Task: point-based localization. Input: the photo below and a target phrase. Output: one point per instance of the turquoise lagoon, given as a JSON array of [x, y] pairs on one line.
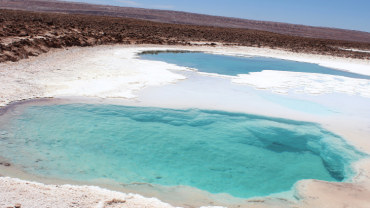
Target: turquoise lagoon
[[240, 154], [233, 65]]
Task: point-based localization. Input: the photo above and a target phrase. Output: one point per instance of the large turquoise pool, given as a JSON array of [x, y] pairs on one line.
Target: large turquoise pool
[[220, 152]]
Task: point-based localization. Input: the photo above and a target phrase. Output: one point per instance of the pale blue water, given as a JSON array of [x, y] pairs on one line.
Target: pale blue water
[[220, 152], [232, 65], [306, 106]]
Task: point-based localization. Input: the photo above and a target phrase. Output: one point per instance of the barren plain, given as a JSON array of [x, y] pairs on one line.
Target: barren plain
[[24, 34], [167, 16]]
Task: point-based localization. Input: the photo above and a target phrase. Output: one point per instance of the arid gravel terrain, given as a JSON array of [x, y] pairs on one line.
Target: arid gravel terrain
[[24, 34], [167, 16]]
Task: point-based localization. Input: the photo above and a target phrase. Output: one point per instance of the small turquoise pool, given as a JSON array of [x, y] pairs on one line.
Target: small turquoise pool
[[221, 152], [232, 65]]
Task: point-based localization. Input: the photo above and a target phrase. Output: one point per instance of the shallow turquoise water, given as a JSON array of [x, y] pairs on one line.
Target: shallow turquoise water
[[231, 65], [220, 152]]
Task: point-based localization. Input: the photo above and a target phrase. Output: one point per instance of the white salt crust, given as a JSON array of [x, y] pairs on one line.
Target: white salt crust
[[32, 194], [100, 73], [115, 72], [310, 83]]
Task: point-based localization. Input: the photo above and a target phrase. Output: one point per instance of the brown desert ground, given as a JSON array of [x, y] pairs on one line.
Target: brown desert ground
[[24, 34], [166, 16]]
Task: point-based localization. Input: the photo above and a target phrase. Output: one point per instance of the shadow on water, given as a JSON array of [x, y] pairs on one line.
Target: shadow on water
[[279, 148], [336, 174]]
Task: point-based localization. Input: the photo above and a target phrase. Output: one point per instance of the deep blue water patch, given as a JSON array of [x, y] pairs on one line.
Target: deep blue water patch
[[220, 152], [232, 65]]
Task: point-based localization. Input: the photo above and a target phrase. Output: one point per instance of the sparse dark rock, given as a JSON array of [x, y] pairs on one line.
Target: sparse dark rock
[[6, 164]]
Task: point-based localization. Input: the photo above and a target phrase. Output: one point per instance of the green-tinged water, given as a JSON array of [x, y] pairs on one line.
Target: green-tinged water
[[232, 65], [220, 152]]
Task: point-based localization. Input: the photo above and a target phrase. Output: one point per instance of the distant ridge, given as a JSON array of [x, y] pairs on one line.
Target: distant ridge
[[166, 16]]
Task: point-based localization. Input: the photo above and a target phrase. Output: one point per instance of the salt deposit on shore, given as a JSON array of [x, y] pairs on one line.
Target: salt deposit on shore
[[39, 195], [312, 83], [101, 72], [112, 72]]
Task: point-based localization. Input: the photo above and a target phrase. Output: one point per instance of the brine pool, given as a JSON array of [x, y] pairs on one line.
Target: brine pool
[[216, 151], [240, 154], [233, 65]]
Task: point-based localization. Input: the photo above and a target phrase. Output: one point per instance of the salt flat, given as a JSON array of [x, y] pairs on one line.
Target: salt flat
[[113, 72]]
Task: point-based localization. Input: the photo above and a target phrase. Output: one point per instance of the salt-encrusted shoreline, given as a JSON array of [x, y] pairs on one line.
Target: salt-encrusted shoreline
[[40, 195], [112, 72]]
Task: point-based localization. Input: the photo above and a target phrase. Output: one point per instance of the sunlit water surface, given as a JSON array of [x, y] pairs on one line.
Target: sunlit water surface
[[220, 152]]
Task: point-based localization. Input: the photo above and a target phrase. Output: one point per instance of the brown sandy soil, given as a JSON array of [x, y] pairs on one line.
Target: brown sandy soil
[[24, 34], [167, 16]]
